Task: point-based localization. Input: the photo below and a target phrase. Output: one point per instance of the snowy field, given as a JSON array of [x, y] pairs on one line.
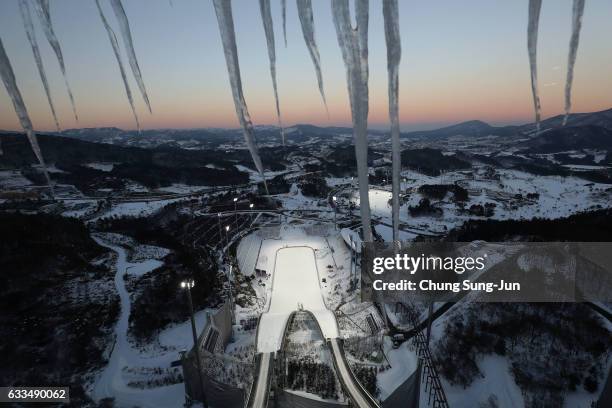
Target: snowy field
[[558, 197], [295, 286]]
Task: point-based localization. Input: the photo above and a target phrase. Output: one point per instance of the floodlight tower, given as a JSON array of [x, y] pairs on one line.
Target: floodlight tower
[[335, 199], [187, 285], [235, 211]]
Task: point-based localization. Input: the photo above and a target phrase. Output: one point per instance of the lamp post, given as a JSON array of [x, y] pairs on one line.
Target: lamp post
[[227, 235], [220, 230], [187, 285], [235, 211], [231, 296], [251, 208], [335, 199]]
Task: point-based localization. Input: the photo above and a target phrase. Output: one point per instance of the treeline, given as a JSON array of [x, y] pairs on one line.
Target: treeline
[[527, 334], [57, 308], [431, 161], [594, 226], [315, 378]]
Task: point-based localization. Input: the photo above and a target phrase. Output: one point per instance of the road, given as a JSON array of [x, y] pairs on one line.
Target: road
[[358, 395]]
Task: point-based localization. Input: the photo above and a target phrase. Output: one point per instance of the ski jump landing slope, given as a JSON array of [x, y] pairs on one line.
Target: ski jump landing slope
[[295, 286]]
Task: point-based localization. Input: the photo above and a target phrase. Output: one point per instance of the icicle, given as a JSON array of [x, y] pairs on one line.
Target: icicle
[[394, 54], [8, 78], [31, 34], [44, 15], [128, 43], [113, 40], [266, 16], [353, 43], [284, 12], [225, 20], [577, 12], [532, 44], [307, 22]]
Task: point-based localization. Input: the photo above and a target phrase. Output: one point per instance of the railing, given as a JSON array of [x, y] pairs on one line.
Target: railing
[[436, 396]]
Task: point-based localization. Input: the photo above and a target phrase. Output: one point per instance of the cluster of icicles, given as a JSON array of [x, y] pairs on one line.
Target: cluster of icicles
[[353, 43]]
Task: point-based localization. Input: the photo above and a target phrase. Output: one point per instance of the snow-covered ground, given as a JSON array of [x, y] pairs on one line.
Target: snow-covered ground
[[403, 362], [178, 188], [558, 197], [129, 364], [497, 382], [107, 167], [10, 179]]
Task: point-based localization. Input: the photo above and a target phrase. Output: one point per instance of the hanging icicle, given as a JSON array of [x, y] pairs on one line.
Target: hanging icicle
[[284, 13], [266, 16], [532, 45], [8, 78], [26, 16], [354, 45], [394, 55], [577, 12], [307, 22], [128, 43], [225, 20], [44, 15], [113, 40]]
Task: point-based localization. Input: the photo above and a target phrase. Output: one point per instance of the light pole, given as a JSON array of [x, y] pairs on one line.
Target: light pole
[[220, 230], [235, 213], [227, 235], [187, 285], [335, 199], [251, 208], [231, 296]]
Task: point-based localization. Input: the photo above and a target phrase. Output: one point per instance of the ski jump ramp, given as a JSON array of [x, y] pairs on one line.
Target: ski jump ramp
[[295, 286]]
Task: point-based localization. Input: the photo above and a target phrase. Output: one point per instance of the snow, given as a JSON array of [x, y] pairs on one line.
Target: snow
[[403, 363], [13, 179], [142, 268], [179, 188], [497, 380], [558, 197], [107, 167], [295, 286]]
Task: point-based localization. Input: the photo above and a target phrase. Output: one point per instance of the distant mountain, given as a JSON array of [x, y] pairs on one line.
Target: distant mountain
[[472, 128], [570, 138], [602, 119], [477, 128]]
